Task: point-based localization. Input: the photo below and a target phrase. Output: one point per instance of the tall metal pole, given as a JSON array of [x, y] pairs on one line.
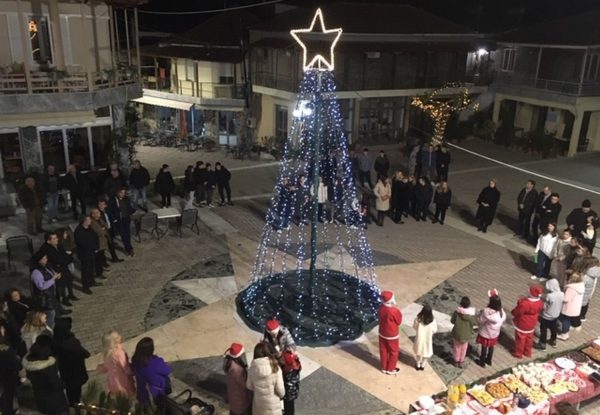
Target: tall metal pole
[[316, 180]]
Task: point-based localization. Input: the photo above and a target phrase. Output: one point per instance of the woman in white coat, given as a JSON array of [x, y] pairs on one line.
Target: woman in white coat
[[383, 193], [265, 379], [426, 327]]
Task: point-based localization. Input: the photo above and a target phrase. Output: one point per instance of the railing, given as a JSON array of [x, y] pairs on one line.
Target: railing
[[210, 90], [49, 82], [585, 88], [270, 80]]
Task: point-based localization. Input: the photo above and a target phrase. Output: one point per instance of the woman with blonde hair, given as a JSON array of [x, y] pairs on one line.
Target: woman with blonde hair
[[119, 376], [36, 323]]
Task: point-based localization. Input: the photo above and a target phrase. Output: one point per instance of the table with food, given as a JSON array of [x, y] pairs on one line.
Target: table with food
[[528, 389]]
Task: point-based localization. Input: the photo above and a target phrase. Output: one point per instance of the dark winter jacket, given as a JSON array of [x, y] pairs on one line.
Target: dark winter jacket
[[19, 310], [164, 182], [223, 176], [57, 257], [429, 159], [10, 365], [47, 386], [139, 178], [443, 198], [423, 194], [211, 179], [13, 332], [382, 165], [87, 242], [112, 184], [70, 354], [578, 219], [28, 198], [527, 200], [443, 160], [188, 182], [114, 209], [200, 175], [401, 192], [490, 196], [51, 183], [549, 214], [78, 185]]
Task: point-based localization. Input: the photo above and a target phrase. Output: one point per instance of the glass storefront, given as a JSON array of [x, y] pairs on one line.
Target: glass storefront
[[53, 149], [79, 147], [101, 145], [10, 150]]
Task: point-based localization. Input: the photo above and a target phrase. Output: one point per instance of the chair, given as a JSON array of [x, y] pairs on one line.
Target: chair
[[189, 218], [20, 244], [148, 223]]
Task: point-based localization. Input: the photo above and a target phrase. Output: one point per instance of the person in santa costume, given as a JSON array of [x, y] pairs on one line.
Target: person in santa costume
[[390, 319], [525, 318], [236, 372], [278, 339]]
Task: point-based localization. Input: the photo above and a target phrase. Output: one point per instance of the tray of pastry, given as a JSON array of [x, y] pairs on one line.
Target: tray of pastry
[[498, 390], [481, 395], [514, 384], [592, 352], [536, 396]]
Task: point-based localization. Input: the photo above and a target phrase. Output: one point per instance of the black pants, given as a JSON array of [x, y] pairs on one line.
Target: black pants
[[397, 213], [486, 355], [99, 262], [523, 224], [87, 271], [209, 194], [584, 310], [6, 399], [440, 212], [546, 325], [199, 195], [365, 176], [442, 174], [73, 393], [535, 227], [64, 286], [225, 188], [380, 217], [165, 199], [421, 211], [75, 199], [288, 407], [111, 246], [123, 227]]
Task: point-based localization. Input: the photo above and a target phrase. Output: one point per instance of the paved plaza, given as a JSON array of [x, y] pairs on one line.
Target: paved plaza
[[180, 290]]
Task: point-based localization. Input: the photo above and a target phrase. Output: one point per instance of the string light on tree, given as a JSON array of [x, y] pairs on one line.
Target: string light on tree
[[314, 272], [440, 104]]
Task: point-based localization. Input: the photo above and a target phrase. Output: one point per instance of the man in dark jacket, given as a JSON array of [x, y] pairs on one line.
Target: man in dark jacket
[[87, 245], [164, 185], [423, 197], [103, 208], [78, 186], [210, 184], [51, 186], [443, 163], [542, 198], [550, 212], [223, 177], [382, 164], [577, 220], [139, 178], [59, 260], [525, 206], [365, 164], [113, 183], [10, 366], [32, 199], [120, 211], [200, 176]]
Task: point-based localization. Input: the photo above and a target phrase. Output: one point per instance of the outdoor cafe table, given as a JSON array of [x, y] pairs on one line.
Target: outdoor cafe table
[[165, 215]]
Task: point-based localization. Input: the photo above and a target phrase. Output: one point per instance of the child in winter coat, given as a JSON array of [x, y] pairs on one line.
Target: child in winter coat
[[553, 301], [426, 327], [590, 279], [572, 304], [490, 321], [464, 321], [291, 379], [236, 375], [525, 318], [545, 250]]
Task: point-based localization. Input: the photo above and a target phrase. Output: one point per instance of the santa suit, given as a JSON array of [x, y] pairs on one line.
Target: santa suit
[[525, 318], [390, 319]]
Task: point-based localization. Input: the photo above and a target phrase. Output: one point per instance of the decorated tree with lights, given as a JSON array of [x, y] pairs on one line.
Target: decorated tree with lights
[[314, 266], [440, 104]]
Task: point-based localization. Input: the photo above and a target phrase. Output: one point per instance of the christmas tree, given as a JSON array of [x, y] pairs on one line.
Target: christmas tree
[[314, 266]]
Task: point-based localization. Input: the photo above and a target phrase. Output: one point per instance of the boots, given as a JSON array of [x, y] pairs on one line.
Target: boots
[[482, 357], [490, 353]]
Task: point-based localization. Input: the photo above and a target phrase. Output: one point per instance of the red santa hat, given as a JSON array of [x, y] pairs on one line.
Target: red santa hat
[[388, 297], [536, 291], [272, 326], [235, 350], [493, 293]]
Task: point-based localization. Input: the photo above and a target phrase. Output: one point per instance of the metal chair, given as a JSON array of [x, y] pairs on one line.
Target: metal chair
[[19, 246], [189, 218], [147, 223]]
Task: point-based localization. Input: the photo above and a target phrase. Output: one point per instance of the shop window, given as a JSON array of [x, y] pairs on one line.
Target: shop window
[[12, 163], [281, 121], [508, 59], [79, 147], [101, 145], [39, 37], [53, 149]]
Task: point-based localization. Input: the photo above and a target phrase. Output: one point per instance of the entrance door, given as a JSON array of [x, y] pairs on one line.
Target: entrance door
[[10, 151]]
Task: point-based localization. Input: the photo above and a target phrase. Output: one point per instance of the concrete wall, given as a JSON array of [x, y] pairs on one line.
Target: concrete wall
[[204, 72]]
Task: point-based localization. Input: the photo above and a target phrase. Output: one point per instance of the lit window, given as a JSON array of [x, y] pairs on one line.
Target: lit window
[[39, 36]]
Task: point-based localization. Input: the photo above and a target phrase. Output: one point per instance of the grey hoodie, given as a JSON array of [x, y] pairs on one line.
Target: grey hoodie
[[553, 300], [590, 278]]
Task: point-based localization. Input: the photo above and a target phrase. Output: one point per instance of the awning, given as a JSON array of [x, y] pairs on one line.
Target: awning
[[46, 119], [162, 102]]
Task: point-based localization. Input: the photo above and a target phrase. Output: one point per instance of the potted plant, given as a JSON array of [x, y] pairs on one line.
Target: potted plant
[[57, 74], [17, 67], [107, 74]]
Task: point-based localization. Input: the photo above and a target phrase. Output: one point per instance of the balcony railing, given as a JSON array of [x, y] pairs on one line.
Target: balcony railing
[[586, 88], [49, 82], [210, 90]]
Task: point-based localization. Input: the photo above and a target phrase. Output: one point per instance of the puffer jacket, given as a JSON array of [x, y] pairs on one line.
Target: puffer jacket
[[547, 244], [490, 323], [590, 279], [573, 299], [526, 313], [268, 387], [47, 386], [464, 321], [553, 300]]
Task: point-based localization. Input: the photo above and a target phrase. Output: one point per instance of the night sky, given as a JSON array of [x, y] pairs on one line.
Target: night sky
[[486, 16]]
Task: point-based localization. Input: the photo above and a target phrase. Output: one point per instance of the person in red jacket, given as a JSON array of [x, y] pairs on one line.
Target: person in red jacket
[[390, 319], [525, 318]]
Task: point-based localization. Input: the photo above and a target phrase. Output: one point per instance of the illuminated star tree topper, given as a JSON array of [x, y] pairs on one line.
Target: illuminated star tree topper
[[317, 60]]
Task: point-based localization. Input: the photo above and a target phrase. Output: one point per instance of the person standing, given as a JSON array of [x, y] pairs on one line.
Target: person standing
[[464, 321], [71, 357], [200, 176], [110, 231], [588, 237], [36, 324], [572, 304], [120, 211], [545, 250], [87, 245], [382, 164], [32, 200], [426, 327], [18, 305], [211, 182], [490, 321], [164, 185], [564, 251], [429, 162], [303, 196], [365, 165], [414, 160], [590, 280], [236, 375], [443, 163], [553, 301], [10, 366], [51, 186], [78, 186], [189, 187], [115, 181], [266, 381], [43, 287], [525, 318], [284, 206], [525, 206], [488, 203], [550, 211], [291, 381], [42, 372], [442, 199], [115, 365], [354, 164], [277, 338], [383, 193], [60, 260], [423, 193], [542, 198], [139, 179], [99, 227], [390, 319], [151, 373], [396, 200], [223, 179], [322, 193], [578, 219]]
